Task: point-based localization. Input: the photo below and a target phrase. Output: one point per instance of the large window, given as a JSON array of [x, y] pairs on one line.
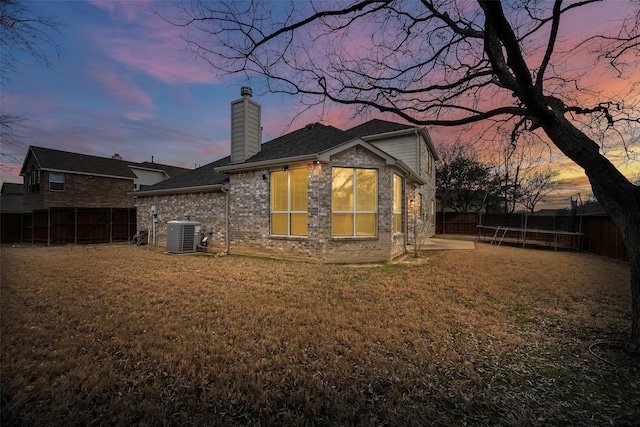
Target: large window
[[397, 203], [56, 181], [289, 202], [354, 202]]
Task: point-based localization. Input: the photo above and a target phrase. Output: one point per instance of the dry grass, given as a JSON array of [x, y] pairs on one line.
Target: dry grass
[[122, 335]]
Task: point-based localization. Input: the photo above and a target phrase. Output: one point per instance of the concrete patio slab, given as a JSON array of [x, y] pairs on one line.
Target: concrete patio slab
[[434, 244]]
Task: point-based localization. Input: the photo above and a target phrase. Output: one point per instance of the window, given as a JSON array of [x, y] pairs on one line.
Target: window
[[56, 181], [33, 180], [354, 202], [433, 211], [397, 203], [289, 202], [429, 163]]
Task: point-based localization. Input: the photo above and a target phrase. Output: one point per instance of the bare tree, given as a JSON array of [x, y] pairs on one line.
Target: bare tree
[[522, 168], [536, 186], [21, 31], [445, 63]]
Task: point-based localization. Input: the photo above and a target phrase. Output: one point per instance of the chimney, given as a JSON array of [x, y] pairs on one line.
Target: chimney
[[246, 134]]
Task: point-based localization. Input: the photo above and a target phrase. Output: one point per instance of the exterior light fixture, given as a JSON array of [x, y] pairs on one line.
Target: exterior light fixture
[[284, 168]]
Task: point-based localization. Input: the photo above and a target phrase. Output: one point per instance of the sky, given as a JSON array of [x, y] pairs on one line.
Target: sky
[[124, 83]]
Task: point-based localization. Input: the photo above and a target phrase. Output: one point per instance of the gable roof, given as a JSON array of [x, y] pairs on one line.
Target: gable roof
[[300, 145], [377, 126], [64, 161]]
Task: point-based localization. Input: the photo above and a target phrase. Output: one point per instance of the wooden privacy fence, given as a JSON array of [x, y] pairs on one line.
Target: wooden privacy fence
[[600, 235], [79, 225]]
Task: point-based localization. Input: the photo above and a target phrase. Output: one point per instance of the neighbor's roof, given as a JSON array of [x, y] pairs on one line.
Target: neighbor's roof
[[65, 161], [204, 176], [11, 188], [171, 171]]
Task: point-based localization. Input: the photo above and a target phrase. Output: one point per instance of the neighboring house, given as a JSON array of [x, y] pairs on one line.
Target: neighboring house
[[55, 178], [11, 197], [316, 193]]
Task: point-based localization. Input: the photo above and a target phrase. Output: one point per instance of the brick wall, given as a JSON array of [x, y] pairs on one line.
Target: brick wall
[[249, 214], [208, 208], [425, 223], [84, 191]]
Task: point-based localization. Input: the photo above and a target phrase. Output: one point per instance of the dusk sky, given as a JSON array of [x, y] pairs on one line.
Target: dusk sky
[[125, 83]]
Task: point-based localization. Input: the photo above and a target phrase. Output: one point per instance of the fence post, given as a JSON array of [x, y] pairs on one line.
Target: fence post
[[48, 226], [110, 225]]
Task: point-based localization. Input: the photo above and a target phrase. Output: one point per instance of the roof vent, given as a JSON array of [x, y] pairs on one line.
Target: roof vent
[[310, 126], [116, 156], [246, 91]]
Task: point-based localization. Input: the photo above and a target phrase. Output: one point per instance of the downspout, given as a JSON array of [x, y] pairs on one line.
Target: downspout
[[227, 225], [405, 208]]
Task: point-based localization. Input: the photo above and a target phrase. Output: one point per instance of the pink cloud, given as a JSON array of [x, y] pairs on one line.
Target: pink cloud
[[123, 89], [119, 10], [151, 45]]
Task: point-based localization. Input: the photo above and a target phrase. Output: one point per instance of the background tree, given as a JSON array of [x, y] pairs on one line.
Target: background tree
[[462, 181], [522, 169], [447, 63], [20, 32], [536, 185]]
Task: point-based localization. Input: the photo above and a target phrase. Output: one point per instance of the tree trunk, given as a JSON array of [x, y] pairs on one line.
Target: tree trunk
[[617, 195]]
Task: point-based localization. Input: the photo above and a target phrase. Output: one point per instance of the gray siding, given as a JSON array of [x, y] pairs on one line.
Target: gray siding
[[404, 148]]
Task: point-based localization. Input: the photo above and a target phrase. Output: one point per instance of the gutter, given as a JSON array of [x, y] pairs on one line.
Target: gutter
[[182, 190], [266, 163], [227, 243], [90, 173]]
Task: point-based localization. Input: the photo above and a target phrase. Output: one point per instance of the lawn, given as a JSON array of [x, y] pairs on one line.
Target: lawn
[[123, 335]]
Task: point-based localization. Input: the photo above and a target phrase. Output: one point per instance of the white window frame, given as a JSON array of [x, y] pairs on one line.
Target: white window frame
[[60, 180]]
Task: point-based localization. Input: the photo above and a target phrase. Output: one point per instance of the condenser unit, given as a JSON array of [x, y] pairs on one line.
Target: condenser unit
[[182, 236]]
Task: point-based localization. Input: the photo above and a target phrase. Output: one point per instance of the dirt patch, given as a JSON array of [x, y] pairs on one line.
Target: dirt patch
[[117, 334]]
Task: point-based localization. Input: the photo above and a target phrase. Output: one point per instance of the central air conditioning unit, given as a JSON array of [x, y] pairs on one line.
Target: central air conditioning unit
[[182, 236]]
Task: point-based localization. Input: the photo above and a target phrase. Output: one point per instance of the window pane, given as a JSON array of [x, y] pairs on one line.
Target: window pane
[[342, 189], [365, 224], [298, 181], [397, 223], [298, 224], [279, 187], [397, 194], [56, 181], [279, 224], [342, 224], [366, 189]]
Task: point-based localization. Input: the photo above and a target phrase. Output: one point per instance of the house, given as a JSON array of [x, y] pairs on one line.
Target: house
[[55, 178], [11, 197], [317, 193]]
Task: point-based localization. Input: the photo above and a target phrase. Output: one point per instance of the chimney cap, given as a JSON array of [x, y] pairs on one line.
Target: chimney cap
[[246, 91]]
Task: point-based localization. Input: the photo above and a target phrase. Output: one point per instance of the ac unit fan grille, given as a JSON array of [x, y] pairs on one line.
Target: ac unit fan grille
[[187, 238]]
